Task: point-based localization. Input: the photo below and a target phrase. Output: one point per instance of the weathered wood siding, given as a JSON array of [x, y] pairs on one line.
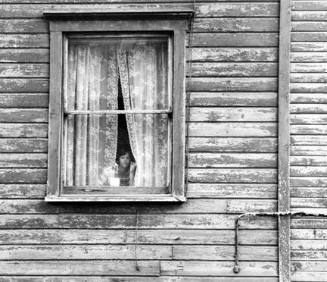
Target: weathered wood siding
[[309, 138], [231, 164]]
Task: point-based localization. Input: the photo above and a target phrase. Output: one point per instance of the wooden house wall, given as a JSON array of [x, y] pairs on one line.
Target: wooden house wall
[[308, 138], [231, 161]]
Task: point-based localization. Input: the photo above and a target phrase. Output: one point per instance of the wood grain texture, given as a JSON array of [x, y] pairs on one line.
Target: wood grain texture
[[23, 130], [232, 175], [24, 40], [225, 253], [234, 54], [121, 1], [23, 85], [193, 206], [233, 99], [284, 141], [223, 114], [201, 10], [24, 70], [231, 84], [232, 124], [308, 161], [232, 69], [23, 145], [20, 175], [238, 191], [24, 100], [90, 252], [12, 55], [200, 25], [91, 267], [129, 237], [115, 278], [146, 221], [236, 129], [213, 160], [235, 25], [23, 191], [24, 115], [213, 268], [233, 144], [23, 160], [226, 40]]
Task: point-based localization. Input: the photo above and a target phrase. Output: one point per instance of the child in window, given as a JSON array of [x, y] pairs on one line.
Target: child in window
[[126, 168]]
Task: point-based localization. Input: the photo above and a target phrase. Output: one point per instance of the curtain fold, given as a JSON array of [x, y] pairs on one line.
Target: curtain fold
[[143, 73]]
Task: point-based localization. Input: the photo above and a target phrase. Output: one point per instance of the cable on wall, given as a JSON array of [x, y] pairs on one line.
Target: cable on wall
[[237, 267]]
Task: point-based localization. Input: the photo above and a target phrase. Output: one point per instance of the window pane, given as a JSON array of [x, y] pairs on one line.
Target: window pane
[[117, 150]]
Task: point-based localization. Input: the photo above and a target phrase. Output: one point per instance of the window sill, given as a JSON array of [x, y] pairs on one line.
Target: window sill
[[116, 198]]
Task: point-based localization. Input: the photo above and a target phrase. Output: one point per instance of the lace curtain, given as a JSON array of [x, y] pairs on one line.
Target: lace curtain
[[91, 140], [143, 73], [92, 84]]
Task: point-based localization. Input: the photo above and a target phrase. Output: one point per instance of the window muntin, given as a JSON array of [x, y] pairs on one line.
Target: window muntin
[[109, 78]]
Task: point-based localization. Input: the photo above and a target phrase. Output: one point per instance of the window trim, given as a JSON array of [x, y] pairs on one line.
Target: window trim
[[150, 20]]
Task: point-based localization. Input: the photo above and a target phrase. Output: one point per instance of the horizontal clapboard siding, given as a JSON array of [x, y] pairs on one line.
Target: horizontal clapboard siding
[[231, 164], [308, 138]]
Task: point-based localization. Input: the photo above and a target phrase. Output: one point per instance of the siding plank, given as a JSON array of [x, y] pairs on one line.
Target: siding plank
[[202, 10], [233, 99], [24, 70], [24, 40], [213, 160], [23, 175], [224, 253], [160, 221], [217, 268], [239, 191], [234, 54], [237, 129], [231, 39], [258, 175], [231, 114], [235, 24], [24, 55], [86, 252], [232, 69], [111, 267], [25, 191], [231, 144], [23, 130], [24, 115], [231, 84], [23, 85], [24, 100], [23, 145], [23, 160], [128, 237], [193, 206]]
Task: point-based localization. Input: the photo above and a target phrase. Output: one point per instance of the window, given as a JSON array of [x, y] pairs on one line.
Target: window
[[117, 106]]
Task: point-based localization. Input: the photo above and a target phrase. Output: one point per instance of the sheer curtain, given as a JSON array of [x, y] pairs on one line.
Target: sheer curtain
[[92, 84], [144, 72], [91, 140]]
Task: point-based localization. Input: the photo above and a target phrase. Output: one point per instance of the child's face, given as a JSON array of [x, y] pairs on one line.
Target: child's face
[[125, 160]]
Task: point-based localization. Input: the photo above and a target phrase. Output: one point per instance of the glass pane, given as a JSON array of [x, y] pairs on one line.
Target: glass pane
[[117, 150]]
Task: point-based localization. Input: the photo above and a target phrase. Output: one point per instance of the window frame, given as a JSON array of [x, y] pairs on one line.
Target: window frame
[[62, 23]]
